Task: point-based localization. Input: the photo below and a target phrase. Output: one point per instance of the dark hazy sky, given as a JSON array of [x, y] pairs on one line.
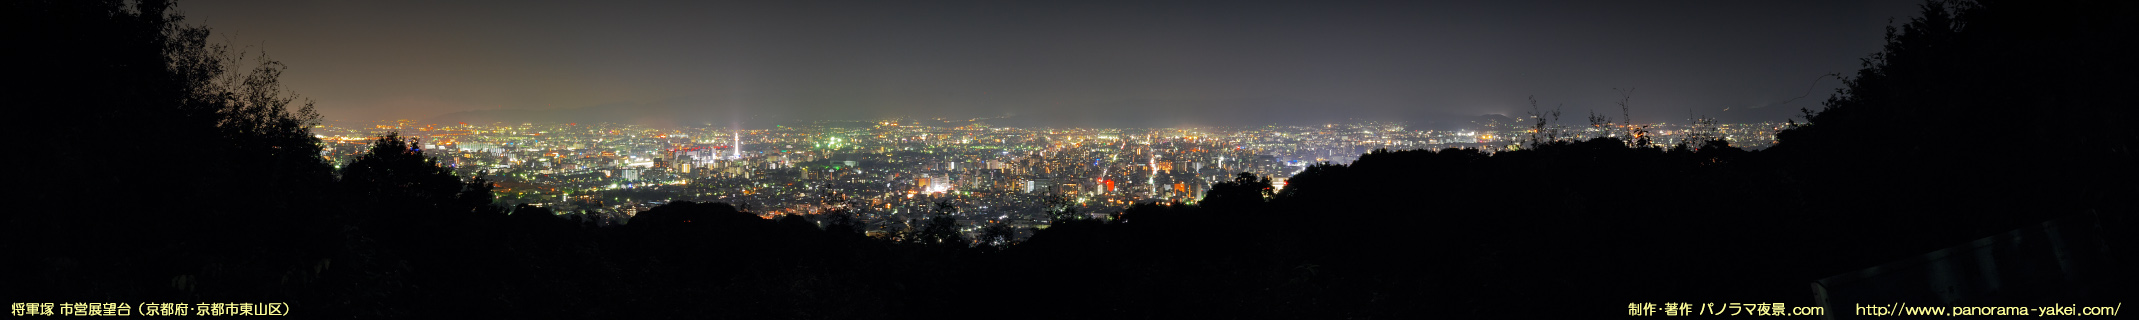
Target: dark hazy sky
[[370, 60]]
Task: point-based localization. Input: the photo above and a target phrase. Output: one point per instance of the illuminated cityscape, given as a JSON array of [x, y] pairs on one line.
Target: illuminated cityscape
[[896, 170], [1073, 159]]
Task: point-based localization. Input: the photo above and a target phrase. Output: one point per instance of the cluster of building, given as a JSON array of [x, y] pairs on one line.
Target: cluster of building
[[890, 173]]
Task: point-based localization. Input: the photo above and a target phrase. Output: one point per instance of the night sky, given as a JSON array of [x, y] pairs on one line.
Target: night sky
[[1064, 62]]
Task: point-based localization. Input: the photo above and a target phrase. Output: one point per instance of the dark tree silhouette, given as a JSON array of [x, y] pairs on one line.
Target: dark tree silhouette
[[941, 228], [998, 234], [1244, 191], [2010, 74], [233, 203], [401, 179]]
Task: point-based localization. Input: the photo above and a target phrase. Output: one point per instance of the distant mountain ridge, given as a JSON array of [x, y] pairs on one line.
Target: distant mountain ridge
[[669, 114], [1120, 114]]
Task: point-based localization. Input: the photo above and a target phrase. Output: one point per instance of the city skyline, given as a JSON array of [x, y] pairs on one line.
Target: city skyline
[[893, 170]]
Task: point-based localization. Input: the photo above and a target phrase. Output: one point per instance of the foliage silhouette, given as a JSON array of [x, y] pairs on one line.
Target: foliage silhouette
[[227, 207]]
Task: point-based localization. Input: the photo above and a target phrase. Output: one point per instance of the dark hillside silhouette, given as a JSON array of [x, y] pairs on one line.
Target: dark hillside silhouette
[[228, 207], [2036, 85]]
